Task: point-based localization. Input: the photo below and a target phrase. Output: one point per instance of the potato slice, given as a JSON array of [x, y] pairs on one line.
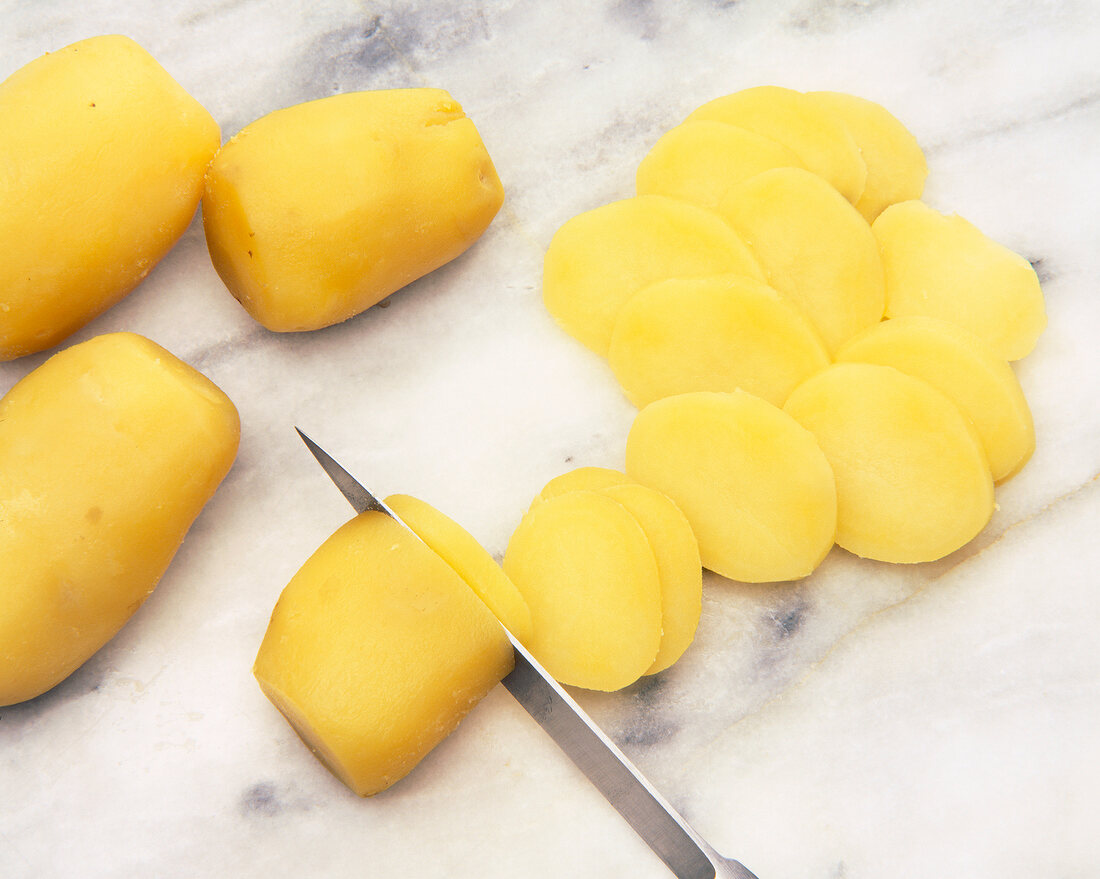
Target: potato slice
[[942, 266], [376, 650], [912, 481], [316, 212], [814, 247], [961, 367], [103, 161], [896, 168], [108, 452], [754, 485], [457, 547], [581, 479], [599, 259], [712, 334], [700, 161], [816, 135], [586, 569]]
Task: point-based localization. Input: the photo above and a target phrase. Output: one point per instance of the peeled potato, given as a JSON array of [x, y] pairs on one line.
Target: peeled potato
[[754, 485], [316, 212], [912, 481], [455, 545], [586, 570], [103, 156], [376, 650], [581, 479], [942, 266], [599, 259], [814, 247], [816, 135], [700, 161], [712, 334], [896, 168], [960, 366], [108, 452]]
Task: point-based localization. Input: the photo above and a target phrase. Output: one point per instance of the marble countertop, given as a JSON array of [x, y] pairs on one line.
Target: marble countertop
[[870, 721]]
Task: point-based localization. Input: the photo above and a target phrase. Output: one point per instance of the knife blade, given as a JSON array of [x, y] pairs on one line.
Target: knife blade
[[653, 818]]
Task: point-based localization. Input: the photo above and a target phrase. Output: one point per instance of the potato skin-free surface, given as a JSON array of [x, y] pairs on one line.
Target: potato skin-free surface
[[316, 212], [103, 156], [108, 452], [375, 651]]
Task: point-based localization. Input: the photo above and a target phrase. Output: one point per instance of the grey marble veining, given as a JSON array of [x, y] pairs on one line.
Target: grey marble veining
[[872, 720]]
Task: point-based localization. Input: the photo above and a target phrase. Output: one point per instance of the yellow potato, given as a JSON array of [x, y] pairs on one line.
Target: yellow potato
[[581, 479], [754, 485], [814, 247], [896, 168], [912, 481], [599, 259], [961, 367], [700, 161], [376, 650], [942, 266], [457, 547], [108, 452], [712, 334], [316, 212], [816, 135], [102, 156], [586, 569]]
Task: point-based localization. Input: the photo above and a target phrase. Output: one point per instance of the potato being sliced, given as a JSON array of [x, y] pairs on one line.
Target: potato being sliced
[[960, 366], [581, 479], [712, 334], [896, 168], [700, 161], [458, 548], [814, 247], [376, 650], [586, 569], [912, 481], [942, 266], [754, 485], [599, 259], [815, 134]]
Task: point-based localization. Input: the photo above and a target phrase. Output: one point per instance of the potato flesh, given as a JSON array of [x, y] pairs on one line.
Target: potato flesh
[[581, 479], [961, 367], [458, 548], [316, 212], [712, 334], [376, 650], [108, 452], [599, 259], [942, 266], [912, 481], [586, 570], [754, 485], [104, 155]]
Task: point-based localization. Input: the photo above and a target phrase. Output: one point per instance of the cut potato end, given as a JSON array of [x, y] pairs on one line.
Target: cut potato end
[[753, 483], [712, 334], [599, 259], [942, 266], [912, 481], [962, 367], [581, 479], [586, 569]]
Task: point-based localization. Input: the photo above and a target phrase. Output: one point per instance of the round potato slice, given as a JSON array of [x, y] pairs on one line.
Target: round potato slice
[[585, 567], [818, 136], [581, 479], [960, 366], [752, 482], [712, 334], [458, 548], [599, 259], [912, 480], [700, 161], [896, 168], [942, 266], [815, 248]]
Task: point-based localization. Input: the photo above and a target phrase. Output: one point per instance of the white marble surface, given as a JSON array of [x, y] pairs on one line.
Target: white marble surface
[[937, 720]]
